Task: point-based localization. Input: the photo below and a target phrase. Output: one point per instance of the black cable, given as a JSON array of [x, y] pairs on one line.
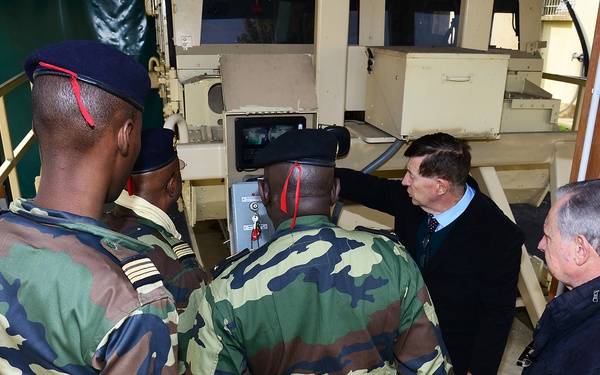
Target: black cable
[[586, 55], [382, 159]]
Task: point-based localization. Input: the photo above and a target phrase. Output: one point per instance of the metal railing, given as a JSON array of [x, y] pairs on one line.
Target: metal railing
[[12, 156]]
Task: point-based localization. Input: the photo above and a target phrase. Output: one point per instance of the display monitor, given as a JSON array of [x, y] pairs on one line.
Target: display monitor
[[252, 134]]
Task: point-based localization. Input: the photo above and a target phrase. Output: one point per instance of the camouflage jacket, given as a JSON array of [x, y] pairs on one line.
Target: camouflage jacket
[[319, 299], [174, 259], [74, 299]]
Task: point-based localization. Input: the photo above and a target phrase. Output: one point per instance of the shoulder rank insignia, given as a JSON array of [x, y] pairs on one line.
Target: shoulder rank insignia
[[183, 250], [382, 232], [222, 265], [138, 268]]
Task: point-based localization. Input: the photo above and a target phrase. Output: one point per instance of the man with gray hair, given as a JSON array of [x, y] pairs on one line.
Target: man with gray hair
[[567, 335]]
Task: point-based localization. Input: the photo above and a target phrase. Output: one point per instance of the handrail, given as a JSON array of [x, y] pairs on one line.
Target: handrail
[[9, 164], [12, 157], [12, 83], [575, 80]]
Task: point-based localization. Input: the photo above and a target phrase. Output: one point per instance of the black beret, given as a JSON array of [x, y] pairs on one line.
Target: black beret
[[158, 149], [305, 146], [95, 63]]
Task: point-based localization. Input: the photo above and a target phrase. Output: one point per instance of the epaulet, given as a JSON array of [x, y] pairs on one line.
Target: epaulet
[[138, 268], [183, 251], [222, 265], [382, 232]]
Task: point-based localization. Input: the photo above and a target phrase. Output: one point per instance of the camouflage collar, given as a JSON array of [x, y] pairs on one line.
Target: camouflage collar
[[311, 221], [26, 209]]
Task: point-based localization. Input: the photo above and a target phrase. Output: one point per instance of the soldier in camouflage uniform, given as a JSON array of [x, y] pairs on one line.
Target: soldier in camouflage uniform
[[141, 213], [76, 297], [316, 298]]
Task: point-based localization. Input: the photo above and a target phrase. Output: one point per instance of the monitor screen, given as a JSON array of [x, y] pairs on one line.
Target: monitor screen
[[252, 134]]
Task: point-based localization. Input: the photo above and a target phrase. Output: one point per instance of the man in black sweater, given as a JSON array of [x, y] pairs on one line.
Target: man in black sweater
[[469, 252]]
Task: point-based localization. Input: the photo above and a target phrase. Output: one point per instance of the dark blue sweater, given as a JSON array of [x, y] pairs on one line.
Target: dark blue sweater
[[567, 336]]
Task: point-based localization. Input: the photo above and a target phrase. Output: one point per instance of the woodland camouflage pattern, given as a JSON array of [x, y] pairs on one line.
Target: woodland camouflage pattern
[[67, 306], [181, 273], [319, 299]]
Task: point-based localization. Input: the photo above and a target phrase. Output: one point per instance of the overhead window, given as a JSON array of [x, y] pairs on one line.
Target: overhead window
[[556, 10], [258, 22]]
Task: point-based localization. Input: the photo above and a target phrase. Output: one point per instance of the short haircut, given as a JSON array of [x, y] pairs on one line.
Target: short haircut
[[580, 212], [315, 181], [445, 157], [57, 118]]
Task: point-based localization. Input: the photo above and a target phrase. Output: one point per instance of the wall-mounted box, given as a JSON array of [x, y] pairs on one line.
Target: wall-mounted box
[[412, 91]]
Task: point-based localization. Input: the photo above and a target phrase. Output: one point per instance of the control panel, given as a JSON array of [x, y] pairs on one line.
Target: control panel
[[250, 224]]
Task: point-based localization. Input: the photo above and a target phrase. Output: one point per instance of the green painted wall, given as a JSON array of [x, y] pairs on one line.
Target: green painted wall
[[27, 25]]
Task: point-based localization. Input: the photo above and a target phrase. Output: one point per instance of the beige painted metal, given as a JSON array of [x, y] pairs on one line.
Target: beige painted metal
[[529, 286], [353, 215], [474, 27], [172, 94], [330, 59], [408, 82], [204, 200], [203, 108], [193, 239], [502, 35], [356, 80], [530, 25], [372, 23], [525, 183], [189, 202], [518, 149], [186, 28], [511, 150], [157, 10], [370, 33], [278, 83], [530, 114], [203, 160], [210, 199], [201, 61], [580, 82], [560, 169]]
